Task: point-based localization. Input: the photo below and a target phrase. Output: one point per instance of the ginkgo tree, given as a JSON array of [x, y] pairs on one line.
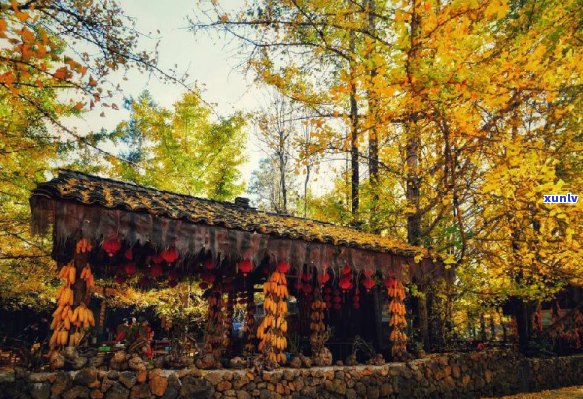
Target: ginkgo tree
[[430, 95]]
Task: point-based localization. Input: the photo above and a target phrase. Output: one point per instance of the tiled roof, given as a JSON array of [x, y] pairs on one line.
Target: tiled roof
[[113, 194]]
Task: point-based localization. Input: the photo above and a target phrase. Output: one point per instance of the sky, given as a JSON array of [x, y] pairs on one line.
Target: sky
[[212, 63]]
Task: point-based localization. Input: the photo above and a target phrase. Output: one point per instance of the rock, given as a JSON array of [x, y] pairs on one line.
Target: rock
[[117, 391], [158, 385], [208, 361], [140, 391], [136, 363], [57, 361], [351, 360], [171, 393], [96, 394], [86, 376], [40, 377], [142, 376], [372, 392], [61, 384], [295, 362], [113, 374], [106, 383], [77, 392], [386, 389], [214, 377], [339, 386], [128, 379], [40, 390], [243, 395], [79, 363], [223, 386], [118, 360], [237, 363], [196, 388], [324, 358], [306, 361]]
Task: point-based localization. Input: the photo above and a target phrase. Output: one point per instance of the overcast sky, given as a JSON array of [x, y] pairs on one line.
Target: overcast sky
[[210, 61]]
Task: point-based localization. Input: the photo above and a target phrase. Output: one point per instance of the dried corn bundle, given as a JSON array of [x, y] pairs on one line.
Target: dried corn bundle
[[68, 325], [318, 336], [273, 327], [215, 339], [397, 323], [250, 325]]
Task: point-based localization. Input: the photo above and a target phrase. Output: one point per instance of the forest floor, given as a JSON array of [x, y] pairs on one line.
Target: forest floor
[[563, 393]]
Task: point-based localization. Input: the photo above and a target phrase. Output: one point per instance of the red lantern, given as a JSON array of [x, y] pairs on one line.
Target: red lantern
[[368, 283], [337, 306], [323, 277], [169, 255], [298, 285], [111, 246], [307, 288], [209, 264], [345, 283], [130, 269], [245, 266], [328, 297], [356, 305], [390, 282], [368, 272], [328, 290], [355, 298], [156, 270], [156, 259], [337, 299], [346, 270], [307, 276], [128, 254], [282, 267]]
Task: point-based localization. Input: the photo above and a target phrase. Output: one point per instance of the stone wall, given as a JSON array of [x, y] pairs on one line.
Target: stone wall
[[456, 375]]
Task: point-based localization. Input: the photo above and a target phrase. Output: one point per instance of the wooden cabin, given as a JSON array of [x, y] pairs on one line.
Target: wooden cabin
[[146, 237]]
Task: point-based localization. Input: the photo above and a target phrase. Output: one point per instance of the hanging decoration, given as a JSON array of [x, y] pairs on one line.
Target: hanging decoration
[[169, 255], [273, 328], [397, 322], [356, 299], [368, 283], [214, 339], [111, 246], [245, 267], [68, 325], [250, 325]]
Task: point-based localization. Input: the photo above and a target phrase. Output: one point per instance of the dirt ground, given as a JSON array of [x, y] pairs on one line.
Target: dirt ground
[[564, 393]]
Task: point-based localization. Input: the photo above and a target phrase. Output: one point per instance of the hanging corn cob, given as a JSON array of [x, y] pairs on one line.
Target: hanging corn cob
[[273, 327], [319, 335], [228, 320], [70, 325], [250, 326], [215, 340], [397, 323]]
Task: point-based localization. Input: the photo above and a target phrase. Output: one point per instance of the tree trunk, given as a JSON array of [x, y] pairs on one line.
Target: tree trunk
[[413, 182], [355, 175], [373, 144]]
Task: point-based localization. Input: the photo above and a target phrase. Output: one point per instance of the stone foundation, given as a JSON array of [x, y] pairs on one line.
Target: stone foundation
[[456, 375]]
